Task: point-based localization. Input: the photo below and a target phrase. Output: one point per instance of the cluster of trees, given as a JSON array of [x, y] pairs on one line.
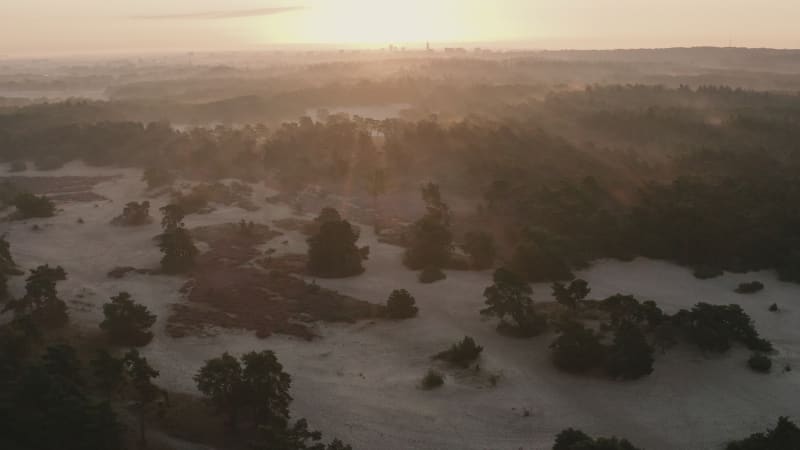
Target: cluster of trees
[[254, 390], [127, 322], [332, 249]]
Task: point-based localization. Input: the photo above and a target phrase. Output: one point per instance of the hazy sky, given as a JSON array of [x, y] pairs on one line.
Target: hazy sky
[[78, 26]]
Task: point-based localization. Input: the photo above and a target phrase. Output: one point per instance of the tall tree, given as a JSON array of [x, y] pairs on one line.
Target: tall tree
[[146, 394], [176, 242], [41, 301], [511, 296], [127, 322]]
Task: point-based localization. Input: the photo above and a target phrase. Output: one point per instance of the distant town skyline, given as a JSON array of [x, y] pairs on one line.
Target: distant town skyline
[[42, 27]]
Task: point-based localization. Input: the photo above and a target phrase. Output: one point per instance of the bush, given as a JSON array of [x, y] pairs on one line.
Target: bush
[[461, 353], [706, 272], [432, 380], [773, 307], [30, 206], [431, 275], [750, 288], [760, 363], [785, 436], [401, 305]]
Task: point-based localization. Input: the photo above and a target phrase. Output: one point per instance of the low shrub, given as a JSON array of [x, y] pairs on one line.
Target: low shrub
[[461, 353], [749, 288], [431, 275], [760, 363], [706, 272], [432, 380]]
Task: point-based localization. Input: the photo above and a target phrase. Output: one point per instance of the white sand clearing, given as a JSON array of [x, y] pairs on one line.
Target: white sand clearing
[[359, 382]]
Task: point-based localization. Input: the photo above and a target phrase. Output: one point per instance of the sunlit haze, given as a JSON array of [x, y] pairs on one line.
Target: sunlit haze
[[57, 27]]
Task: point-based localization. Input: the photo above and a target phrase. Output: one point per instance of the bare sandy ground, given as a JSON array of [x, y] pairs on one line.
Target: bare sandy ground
[[359, 382]]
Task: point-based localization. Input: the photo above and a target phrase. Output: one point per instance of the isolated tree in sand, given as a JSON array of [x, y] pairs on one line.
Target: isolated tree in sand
[[175, 242], [126, 322], [511, 296], [401, 305], [577, 348], [571, 295], [332, 251], [41, 302]]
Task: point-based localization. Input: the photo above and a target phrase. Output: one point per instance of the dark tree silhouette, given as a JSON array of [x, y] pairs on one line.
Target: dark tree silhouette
[[511, 296], [145, 394], [462, 353], [401, 305], [572, 439], [33, 206], [431, 241], [785, 436], [332, 251], [571, 295], [630, 355], [175, 242], [126, 322], [41, 302], [577, 348]]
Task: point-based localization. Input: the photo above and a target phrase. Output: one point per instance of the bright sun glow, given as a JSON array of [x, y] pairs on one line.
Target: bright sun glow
[[369, 22]]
